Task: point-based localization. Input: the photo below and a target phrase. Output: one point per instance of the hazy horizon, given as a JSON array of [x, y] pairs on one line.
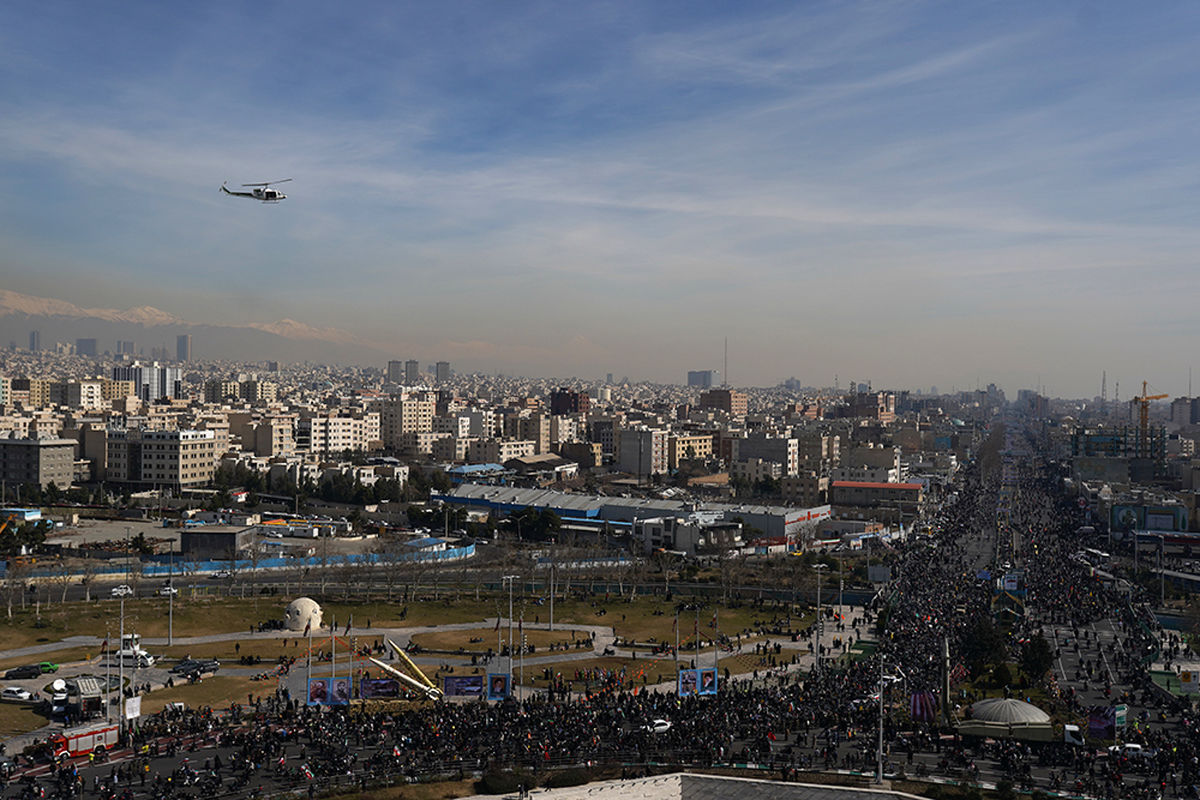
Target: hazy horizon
[[912, 194]]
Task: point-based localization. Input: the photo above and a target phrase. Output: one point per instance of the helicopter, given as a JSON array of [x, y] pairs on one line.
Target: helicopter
[[262, 191]]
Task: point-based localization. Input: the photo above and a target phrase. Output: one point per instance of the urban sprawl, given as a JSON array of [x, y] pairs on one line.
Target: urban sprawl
[[270, 580]]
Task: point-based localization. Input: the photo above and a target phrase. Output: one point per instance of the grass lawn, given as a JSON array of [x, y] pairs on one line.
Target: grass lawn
[[453, 640], [59, 657], [269, 649], [645, 619], [217, 691], [17, 718]]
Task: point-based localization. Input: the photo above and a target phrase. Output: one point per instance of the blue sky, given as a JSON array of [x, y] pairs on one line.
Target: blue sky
[[912, 193]]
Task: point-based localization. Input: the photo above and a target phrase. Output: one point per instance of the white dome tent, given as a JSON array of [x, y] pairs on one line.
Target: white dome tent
[[302, 612], [1000, 718]]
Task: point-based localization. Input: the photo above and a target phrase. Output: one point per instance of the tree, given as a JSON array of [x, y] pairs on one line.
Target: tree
[[1036, 657], [983, 645]]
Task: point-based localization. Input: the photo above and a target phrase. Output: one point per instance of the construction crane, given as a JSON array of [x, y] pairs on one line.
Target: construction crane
[[1143, 402]]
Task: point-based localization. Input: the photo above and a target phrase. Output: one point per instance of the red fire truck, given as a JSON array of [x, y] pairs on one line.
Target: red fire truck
[[94, 738]]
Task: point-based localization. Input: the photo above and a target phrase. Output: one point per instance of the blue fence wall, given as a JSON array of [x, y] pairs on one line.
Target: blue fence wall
[[182, 568]]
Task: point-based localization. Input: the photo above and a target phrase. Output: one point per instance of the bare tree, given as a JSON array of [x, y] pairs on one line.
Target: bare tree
[[89, 569], [61, 573], [14, 584]]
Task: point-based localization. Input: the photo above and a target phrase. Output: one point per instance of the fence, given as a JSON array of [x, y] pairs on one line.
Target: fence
[[159, 569]]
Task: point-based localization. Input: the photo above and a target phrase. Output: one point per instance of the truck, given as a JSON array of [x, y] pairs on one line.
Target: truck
[[94, 738]]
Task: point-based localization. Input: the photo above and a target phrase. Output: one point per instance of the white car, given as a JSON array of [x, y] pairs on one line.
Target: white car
[[659, 726], [167, 591], [221, 573], [1128, 750], [124, 590], [16, 693]]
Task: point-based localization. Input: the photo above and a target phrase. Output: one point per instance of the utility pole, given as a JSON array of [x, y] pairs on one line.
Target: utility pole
[[121, 672], [171, 598], [509, 580], [879, 751], [820, 569]]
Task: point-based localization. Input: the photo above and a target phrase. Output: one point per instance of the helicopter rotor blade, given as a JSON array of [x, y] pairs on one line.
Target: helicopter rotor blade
[[267, 183]]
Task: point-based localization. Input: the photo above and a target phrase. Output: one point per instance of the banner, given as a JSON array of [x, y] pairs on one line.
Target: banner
[[498, 685], [1102, 722], [923, 707], [687, 682], [328, 691], [462, 686], [1189, 681], [708, 682], [133, 707], [377, 688]]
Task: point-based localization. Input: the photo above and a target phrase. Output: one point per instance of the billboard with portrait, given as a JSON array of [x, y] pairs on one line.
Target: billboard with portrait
[[499, 685], [687, 682], [707, 684], [378, 688], [462, 686], [318, 691]]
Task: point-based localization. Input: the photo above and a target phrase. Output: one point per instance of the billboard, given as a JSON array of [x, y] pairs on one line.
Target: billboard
[[1144, 518], [1189, 681], [328, 691], [462, 686], [378, 688], [499, 685], [697, 682]]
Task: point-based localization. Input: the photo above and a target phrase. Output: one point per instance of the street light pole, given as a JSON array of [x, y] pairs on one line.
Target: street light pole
[[879, 751], [509, 580], [820, 568], [171, 598]]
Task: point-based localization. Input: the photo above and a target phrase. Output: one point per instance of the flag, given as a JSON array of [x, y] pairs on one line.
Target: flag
[[957, 673], [497, 624], [308, 627], [396, 751], [713, 623], [104, 646], [349, 622], [923, 707], [675, 624], [307, 772], [282, 760]]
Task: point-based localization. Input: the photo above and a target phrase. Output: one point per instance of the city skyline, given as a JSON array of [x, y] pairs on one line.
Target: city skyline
[[915, 195]]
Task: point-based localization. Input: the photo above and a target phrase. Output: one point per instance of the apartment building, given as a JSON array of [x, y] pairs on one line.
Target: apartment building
[[731, 401], [337, 432], [688, 447], [171, 458], [497, 451], [41, 461], [642, 451], [807, 488], [409, 413]]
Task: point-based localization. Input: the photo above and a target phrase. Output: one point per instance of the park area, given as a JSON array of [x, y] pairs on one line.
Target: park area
[[445, 636]]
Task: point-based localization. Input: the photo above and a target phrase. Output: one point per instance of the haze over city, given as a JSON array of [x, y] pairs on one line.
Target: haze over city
[[912, 194]]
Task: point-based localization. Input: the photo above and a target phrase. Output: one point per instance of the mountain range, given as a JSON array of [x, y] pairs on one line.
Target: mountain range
[[148, 327]]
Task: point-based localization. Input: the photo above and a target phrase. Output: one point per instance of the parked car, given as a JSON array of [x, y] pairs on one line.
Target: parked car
[[48, 666], [16, 694], [220, 574], [189, 665], [124, 590], [167, 591], [24, 671]]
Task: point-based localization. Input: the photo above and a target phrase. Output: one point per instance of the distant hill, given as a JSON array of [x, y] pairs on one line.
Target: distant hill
[[284, 340]]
